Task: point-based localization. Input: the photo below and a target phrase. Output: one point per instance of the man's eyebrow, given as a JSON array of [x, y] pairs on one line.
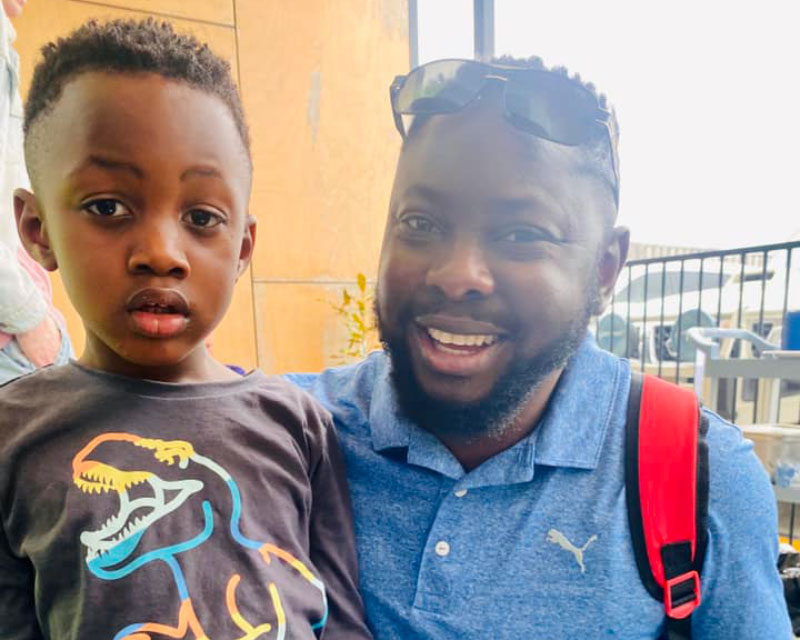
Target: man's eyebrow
[[202, 170], [110, 164], [424, 192], [510, 206]]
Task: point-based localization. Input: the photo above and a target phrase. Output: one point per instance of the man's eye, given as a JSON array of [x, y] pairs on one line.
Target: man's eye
[[202, 219], [420, 224], [523, 236], [106, 208]]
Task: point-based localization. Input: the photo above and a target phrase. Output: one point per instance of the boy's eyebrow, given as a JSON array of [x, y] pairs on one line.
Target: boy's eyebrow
[[108, 163], [201, 170], [120, 165]]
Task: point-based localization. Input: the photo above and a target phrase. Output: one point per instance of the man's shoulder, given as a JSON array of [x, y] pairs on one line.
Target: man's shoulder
[[735, 473]]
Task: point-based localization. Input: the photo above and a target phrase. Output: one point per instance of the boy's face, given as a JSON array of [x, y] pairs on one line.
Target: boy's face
[[141, 189]]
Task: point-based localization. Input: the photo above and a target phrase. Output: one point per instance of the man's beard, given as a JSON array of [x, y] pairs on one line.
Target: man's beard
[[494, 414]]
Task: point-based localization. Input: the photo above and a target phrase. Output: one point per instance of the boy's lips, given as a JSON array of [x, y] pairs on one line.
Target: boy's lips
[[458, 346], [158, 313]]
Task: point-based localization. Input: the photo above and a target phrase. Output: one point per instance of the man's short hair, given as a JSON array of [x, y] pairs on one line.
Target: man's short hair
[[131, 46]]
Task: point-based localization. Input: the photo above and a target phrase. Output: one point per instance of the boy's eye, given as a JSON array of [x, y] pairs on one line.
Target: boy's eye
[[202, 218], [106, 208]]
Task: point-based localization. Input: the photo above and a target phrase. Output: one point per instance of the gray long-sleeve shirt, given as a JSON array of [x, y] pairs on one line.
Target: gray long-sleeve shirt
[[130, 507]]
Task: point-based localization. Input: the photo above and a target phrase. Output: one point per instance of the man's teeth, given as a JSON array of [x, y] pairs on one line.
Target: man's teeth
[[462, 339]]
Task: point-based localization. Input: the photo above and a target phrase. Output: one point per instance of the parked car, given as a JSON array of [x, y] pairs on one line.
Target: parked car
[[652, 311], [651, 329], [648, 304]]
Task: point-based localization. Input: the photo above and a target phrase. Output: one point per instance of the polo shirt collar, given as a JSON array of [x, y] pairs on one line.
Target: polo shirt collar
[[573, 429], [392, 430], [570, 434]]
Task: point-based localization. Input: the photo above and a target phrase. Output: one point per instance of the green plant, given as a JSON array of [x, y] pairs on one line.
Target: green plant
[[355, 311]]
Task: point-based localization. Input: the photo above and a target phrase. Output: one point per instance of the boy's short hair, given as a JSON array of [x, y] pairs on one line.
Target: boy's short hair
[[131, 46]]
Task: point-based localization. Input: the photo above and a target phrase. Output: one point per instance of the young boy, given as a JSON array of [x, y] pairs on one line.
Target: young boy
[[147, 491]]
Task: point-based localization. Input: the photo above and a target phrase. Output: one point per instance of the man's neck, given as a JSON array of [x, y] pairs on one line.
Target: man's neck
[[476, 451]]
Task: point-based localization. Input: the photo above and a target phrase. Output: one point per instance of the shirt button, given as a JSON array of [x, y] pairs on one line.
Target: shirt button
[[460, 493], [442, 548]]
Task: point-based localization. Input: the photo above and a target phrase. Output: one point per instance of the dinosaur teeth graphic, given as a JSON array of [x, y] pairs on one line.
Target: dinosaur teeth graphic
[[135, 515]]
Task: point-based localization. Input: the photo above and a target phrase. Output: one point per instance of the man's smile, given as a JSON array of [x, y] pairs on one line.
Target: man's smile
[[456, 345]]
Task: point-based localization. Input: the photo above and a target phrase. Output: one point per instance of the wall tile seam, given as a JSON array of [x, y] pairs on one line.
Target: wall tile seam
[[324, 283], [169, 16]]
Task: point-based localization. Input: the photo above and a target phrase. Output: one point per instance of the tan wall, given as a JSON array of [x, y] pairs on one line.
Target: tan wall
[[314, 77]]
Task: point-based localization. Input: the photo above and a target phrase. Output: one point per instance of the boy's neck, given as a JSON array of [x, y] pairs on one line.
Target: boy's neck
[[198, 366]]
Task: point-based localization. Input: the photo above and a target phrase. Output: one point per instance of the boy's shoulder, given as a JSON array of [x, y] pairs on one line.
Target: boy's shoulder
[[49, 378], [295, 409], [293, 397], [37, 400]]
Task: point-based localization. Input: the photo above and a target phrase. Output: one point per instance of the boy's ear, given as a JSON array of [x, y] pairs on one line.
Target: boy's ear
[[248, 242], [32, 229], [612, 260]]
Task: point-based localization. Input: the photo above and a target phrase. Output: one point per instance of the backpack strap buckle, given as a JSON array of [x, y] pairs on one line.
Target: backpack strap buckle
[[682, 594]]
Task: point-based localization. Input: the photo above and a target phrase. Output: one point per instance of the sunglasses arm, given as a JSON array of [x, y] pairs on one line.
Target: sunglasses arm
[[394, 89]]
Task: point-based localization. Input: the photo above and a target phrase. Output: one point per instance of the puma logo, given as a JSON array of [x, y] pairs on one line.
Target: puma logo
[[556, 537]]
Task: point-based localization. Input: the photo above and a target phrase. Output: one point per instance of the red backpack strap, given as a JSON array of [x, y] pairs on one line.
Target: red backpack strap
[[666, 481]]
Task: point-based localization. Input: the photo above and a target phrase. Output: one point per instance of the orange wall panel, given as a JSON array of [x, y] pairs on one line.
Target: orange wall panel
[[217, 11], [298, 329], [315, 78]]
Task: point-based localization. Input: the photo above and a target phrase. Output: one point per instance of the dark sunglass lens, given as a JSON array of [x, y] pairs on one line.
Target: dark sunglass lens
[[440, 87], [551, 107]]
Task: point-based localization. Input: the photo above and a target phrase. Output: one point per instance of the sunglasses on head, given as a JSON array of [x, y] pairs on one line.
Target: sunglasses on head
[[542, 103]]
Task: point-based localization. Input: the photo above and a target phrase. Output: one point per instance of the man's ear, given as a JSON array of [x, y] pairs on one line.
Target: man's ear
[[32, 229], [248, 243], [612, 259]]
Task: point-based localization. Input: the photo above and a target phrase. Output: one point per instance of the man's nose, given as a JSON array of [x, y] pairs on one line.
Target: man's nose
[[462, 272], [158, 250]]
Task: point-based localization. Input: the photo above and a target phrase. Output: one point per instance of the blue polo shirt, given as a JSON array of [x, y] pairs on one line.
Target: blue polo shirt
[[534, 543]]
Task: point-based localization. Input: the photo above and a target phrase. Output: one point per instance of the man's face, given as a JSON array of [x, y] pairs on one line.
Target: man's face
[[141, 201], [494, 257]]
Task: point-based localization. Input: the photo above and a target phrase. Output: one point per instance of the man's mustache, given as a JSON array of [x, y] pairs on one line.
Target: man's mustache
[[478, 310]]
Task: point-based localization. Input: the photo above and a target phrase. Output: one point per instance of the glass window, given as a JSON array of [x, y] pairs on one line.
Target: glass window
[[444, 30]]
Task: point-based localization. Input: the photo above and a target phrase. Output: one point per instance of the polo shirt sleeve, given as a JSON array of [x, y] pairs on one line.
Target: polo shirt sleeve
[[742, 594]]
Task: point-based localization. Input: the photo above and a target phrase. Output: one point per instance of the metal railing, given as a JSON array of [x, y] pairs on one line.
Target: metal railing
[[658, 299]]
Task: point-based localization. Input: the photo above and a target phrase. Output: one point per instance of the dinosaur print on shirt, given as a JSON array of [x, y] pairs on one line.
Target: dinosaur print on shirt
[[147, 498]]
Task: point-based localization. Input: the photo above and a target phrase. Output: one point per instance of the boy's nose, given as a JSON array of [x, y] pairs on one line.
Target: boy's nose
[[158, 251]]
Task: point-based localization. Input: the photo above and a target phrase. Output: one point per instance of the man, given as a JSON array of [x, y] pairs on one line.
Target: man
[[30, 334], [485, 448]]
